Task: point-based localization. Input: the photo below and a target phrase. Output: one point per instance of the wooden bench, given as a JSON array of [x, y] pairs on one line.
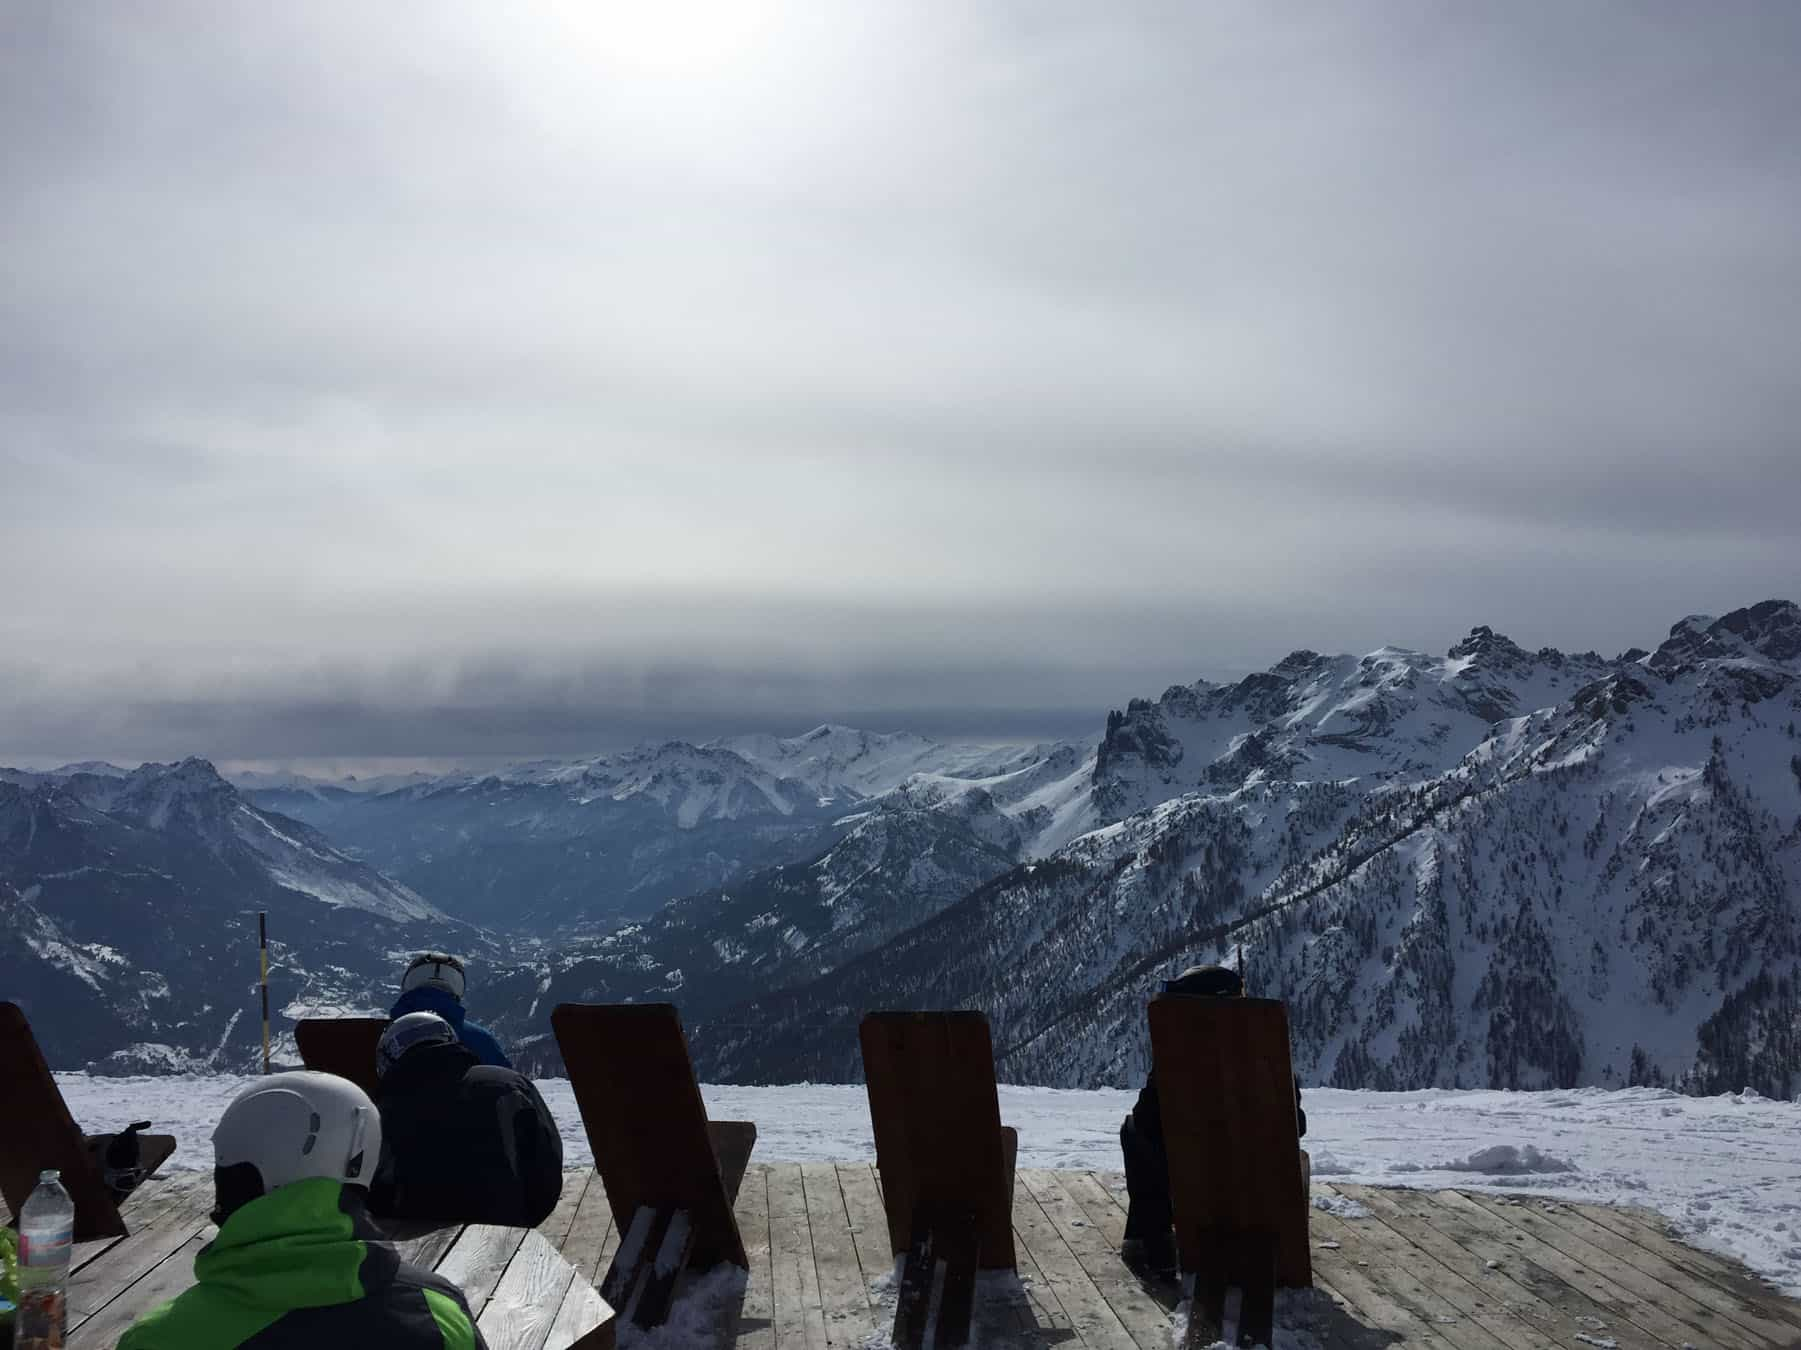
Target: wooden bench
[[671, 1175], [344, 1046], [37, 1132], [946, 1161], [1237, 1185]]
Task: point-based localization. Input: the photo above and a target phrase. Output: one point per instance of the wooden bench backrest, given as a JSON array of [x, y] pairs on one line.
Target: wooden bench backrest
[[1227, 1095], [937, 1122], [628, 1064], [37, 1131], [344, 1046]]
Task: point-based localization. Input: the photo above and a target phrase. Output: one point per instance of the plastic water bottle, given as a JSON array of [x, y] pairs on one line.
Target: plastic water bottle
[[46, 1232]]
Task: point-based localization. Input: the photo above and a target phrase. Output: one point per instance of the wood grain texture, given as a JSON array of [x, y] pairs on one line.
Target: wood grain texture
[[1653, 1233], [478, 1259], [560, 1220], [151, 1205], [590, 1240], [1750, 1315], [99, 1282], [754, 1327], [174, 1273], [1534, 1322], [844, 1298], [525, 1303], [1582, 1297], [1227, 1097], [1417, 1284], [628, 1065], [342, 1045], [38, 1133], [1662, 1309], [936, 1118], [1085, 1309], [583, 1322], [1144, 1319], [799, 1312]]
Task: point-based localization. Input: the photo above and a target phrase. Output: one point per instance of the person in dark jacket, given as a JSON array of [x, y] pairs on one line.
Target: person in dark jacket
[[297, 1264], [435, 983], [463, 1141], [1150, 1242]]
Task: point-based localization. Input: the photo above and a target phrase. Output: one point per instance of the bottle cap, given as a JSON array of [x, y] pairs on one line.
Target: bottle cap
[[49, 1174]]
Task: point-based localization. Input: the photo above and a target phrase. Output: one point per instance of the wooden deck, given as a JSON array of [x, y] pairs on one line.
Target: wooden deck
[[1440, 1269]]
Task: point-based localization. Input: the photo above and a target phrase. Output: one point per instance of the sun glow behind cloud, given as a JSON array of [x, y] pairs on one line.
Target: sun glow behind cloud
[[358, 350]]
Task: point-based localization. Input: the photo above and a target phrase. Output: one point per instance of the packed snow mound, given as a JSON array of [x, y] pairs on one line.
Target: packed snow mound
[[1341, 1206], [1504, 1160]]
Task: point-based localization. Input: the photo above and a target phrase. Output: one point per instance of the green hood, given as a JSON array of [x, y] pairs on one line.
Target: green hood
[[300, 1246]]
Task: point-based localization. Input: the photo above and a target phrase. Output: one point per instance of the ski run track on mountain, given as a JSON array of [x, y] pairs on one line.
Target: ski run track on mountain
[[1725, 1170]]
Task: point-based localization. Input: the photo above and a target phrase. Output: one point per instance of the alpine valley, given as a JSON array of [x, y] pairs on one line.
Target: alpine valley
[[1495, 867]]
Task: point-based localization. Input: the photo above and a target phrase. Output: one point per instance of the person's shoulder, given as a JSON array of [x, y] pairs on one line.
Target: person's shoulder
[[498, 1080], [478, 1037]]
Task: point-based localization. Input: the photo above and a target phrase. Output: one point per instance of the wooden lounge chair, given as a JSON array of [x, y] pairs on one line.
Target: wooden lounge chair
[[37, 1132], [342, 1045], [1236, 1171], [671, 1175], [946, 1161]]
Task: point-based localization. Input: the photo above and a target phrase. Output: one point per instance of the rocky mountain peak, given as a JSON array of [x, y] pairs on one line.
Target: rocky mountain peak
[[1487, 646], [1766, 632]]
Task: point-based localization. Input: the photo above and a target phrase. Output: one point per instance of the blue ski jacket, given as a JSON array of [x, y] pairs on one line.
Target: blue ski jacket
[[477, 1037]]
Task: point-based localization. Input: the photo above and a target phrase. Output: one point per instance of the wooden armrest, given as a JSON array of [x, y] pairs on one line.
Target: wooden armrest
[[733, 1141]]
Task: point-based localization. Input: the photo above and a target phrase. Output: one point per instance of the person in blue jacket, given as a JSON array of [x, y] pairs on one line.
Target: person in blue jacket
[[434, 983]]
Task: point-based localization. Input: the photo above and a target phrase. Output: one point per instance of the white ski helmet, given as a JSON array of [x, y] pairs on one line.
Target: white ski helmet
[[300, 1125], [404, 1033], [434, 970]]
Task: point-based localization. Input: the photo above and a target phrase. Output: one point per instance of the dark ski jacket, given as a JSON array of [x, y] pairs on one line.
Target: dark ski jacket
[[465, 1142], [477, 1037], [302, 1267]]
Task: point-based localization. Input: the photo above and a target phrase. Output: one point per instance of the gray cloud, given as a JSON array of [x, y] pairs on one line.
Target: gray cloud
[[971, 364]]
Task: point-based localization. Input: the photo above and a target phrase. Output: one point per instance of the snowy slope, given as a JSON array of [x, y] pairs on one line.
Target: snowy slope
[[894, 868], [128, 911], [575, 846], [1600, 891], [189, 802], [1725, 1170]]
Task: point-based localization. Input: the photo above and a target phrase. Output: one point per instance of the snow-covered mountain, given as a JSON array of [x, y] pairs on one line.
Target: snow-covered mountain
[[1492, 868], [898, 865], [582, 845], [128, 905]]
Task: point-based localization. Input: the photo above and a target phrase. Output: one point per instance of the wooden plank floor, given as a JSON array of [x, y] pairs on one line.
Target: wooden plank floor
[[1434, 1268]]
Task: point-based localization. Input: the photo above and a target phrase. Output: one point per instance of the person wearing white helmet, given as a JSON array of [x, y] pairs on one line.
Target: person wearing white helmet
[[463, 1141], [296, 1261], [435, 982]]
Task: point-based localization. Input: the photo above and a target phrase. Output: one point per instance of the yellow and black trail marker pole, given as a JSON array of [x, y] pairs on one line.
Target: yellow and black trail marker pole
[[262, 939]]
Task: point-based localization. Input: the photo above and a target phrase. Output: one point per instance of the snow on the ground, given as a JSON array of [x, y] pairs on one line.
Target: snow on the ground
[[1726, 1170]]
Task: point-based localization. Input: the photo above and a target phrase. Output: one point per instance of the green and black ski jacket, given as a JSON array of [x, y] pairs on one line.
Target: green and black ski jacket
[[303, 1267]]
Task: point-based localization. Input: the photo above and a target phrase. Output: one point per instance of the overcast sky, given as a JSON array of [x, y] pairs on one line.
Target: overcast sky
[[385, 380]]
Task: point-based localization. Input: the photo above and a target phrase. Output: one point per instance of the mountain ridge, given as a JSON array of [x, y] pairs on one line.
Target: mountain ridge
[[1358, 899]]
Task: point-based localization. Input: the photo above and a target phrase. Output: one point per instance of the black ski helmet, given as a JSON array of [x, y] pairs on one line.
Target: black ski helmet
[[1207, 982]]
